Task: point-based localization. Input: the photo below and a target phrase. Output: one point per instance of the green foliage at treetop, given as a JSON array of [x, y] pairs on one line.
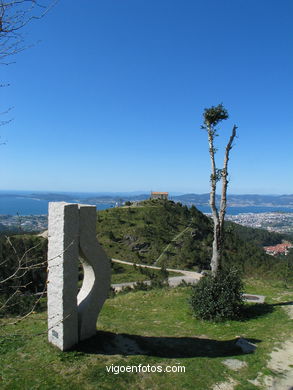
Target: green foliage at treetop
[[214, 115]]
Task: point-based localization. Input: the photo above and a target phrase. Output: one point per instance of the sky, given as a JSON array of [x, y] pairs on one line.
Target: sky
[[109, 96]]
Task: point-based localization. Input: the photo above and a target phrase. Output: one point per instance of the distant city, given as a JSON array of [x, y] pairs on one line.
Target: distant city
[[273, 221]]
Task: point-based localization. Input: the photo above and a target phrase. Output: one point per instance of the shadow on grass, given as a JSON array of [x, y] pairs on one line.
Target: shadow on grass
[[289, 303], [108, 343], [257, 310]]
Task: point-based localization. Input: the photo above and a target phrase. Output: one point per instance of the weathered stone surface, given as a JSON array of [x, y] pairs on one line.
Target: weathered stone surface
[[254, 298], [234, 364], [63, 231], [97, 273], [72, 235], [144, 246]]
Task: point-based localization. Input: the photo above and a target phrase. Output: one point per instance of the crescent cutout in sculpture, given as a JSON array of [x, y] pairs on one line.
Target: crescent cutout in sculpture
[[96, 268]]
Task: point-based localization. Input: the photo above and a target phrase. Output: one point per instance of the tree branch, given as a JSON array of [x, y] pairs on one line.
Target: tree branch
[[225, 181]]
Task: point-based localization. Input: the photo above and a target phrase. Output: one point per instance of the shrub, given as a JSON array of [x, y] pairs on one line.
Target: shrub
[[141, 286], [218, 298]]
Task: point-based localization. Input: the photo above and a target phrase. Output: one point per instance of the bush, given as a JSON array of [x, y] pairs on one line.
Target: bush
[[141, 286], [219, 298]]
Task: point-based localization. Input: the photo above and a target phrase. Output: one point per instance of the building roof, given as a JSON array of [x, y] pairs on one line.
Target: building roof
[[159, 193], [279, 248]]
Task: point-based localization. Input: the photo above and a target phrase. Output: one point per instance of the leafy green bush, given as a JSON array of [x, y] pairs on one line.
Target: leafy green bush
[[219, 298]]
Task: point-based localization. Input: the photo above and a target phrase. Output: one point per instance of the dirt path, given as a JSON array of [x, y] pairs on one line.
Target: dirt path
[[281, 362], [192, 274]]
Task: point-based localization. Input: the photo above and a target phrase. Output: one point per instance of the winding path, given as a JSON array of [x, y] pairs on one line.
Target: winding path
[[190, 277], [187, 276]]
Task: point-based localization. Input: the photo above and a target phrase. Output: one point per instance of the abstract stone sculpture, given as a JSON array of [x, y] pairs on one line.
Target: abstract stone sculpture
[[72, 316]]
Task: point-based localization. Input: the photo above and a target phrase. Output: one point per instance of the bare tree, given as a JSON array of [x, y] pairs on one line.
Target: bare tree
[[14, 15], [23, 278], [17, 269], [212, 117]]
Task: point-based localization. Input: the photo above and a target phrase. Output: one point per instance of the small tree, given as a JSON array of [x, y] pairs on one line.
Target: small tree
[[20, 273], [212, 117]]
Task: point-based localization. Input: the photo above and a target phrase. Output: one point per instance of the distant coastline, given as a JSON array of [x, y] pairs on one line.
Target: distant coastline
[[37, 203], [31, 206]]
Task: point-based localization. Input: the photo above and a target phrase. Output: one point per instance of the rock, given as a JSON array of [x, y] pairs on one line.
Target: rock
[[254, 298], [194, 233], [229, 385], [245, 345], [141, 247], [234, 364], [129, 238]]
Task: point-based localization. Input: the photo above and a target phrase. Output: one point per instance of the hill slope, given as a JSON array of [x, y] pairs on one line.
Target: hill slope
[[167, 233]]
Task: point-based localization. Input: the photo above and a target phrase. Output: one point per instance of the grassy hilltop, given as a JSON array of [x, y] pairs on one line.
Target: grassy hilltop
[[141, 233], [169, 234]]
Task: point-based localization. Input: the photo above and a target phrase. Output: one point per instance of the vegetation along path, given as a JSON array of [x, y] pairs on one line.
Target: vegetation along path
[[187, 276], [190, 277]]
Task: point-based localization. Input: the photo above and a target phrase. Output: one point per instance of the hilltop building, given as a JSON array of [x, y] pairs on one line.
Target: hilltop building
[[280, 249], [159, 195]]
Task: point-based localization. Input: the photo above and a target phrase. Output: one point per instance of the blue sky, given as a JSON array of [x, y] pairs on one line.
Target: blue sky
[[110, 97]]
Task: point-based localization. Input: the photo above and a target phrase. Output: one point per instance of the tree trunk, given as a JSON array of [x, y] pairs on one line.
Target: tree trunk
[[216, 255], [217, 248], [218, 218]]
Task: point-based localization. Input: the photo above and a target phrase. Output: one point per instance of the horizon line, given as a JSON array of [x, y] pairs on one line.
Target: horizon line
[[138, 192]]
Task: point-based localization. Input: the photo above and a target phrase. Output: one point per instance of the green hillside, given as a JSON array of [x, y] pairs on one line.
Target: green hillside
[[169, 234], [141, 233]]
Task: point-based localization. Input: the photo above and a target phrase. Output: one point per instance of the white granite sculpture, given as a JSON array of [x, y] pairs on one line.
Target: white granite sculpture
[[72, 317]]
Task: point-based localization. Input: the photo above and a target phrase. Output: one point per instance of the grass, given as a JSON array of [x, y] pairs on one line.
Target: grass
[[156, 328]]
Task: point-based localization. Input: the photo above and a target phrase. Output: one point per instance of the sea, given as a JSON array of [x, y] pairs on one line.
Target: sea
[[18, 205], [32, 206]]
